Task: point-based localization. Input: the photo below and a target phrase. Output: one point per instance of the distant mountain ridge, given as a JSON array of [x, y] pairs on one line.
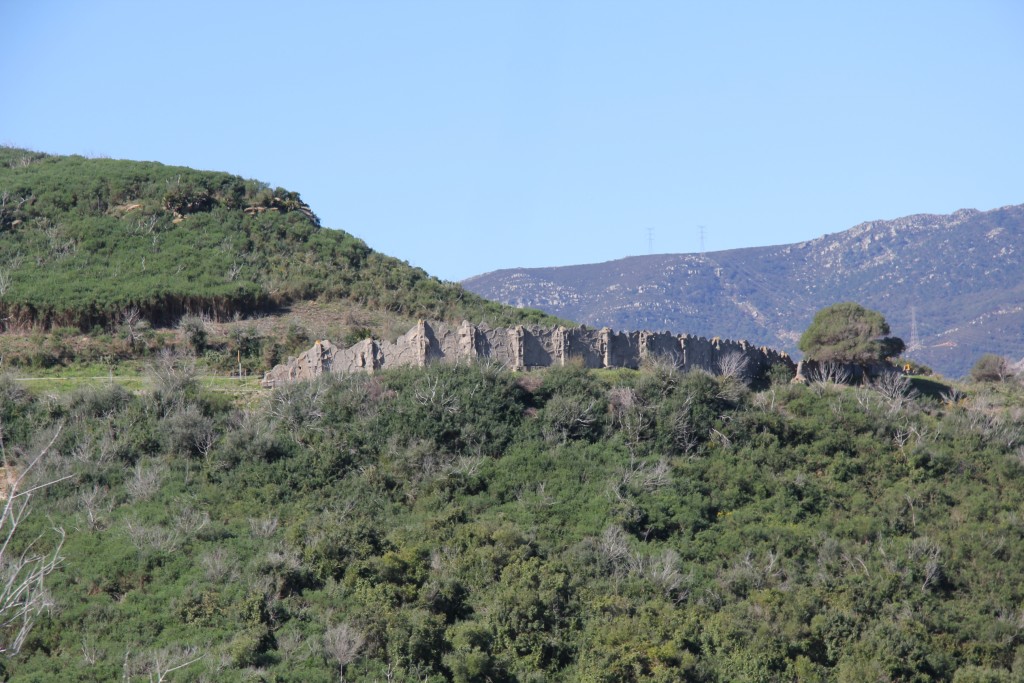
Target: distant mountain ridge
[[956, 280]]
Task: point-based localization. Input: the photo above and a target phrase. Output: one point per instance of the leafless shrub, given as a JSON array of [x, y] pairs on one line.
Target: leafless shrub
[[299, 406], [145, 225], [765, 400], [91, 653], [218, 565], [614, 545], [88, 452], [144, 480], [291, 645], [567, 417], [189, 520], [173, 376], [5, 281], [731, 389], [633, 419], [657, 477], [157, 665], [157, 537], [896, 389], [922, 435], [468, 465], [60, 245], [641, 476], [22, 593], [132, 324], [95, 504], [900, 437], [928, 556], [748, 572], [435, 392], [663, 572], [54, 466], [666, 366], [684, 434], [828, 374], [733, 365], [343, 642], [279, 566], [867, 398], [263, 527], [82, 452]]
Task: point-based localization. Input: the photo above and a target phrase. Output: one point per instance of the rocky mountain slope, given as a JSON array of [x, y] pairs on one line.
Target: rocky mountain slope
[[958, 277]]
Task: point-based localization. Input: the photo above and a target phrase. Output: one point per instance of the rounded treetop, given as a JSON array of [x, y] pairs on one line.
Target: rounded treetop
[[848, 332]]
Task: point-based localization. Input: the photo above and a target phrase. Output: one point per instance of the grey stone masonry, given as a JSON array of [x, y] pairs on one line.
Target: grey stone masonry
[[525, 347]]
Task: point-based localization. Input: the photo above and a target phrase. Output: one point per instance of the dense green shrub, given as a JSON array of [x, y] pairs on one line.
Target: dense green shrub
[[449, 518], [848, 332]]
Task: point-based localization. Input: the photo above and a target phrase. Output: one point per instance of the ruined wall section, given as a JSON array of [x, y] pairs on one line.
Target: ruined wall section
[[526, 347]]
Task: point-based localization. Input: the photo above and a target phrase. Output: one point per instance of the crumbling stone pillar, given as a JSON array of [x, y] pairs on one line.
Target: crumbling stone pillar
[[469, 341], [605, 346], [422, 342], [519, 347], [560, 339]]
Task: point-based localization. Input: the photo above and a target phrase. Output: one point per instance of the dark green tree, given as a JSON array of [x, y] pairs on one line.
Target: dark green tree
[[848, 332]]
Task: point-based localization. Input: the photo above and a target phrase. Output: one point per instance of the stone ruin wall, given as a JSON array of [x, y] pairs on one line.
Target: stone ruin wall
[[523, 348]]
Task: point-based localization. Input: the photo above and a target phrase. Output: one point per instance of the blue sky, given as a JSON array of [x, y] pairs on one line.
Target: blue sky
[[470, 136]]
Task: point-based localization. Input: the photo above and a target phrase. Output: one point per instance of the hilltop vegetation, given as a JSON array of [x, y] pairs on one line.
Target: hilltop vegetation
[[87, 243], [466, 523]]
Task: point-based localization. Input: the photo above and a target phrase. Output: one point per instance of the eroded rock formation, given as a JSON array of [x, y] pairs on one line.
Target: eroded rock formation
[[525, 347]]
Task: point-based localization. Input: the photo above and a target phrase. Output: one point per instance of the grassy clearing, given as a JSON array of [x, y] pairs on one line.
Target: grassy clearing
[[244, 388]]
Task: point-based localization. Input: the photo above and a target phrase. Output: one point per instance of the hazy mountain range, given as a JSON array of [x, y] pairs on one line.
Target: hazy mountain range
[[950, 286]]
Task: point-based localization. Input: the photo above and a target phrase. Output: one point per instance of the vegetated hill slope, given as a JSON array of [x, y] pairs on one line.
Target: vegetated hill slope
[[959, 275], [82, 241], [466, 523]]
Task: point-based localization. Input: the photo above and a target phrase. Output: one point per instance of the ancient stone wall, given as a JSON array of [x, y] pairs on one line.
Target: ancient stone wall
[[525, 347]]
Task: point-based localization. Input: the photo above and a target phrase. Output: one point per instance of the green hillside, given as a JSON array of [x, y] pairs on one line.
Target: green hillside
[[83, 241], [465, 523], [450, 523]]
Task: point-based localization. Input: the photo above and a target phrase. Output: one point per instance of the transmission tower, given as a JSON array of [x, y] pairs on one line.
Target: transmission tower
[[650, 240], [915, 342], [701, 228]]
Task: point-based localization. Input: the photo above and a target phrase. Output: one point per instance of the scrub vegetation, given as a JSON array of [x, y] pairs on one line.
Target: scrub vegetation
[[467, 523], [96, 244]]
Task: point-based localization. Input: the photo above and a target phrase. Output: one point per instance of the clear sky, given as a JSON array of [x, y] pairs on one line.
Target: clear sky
[[470, 136]]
